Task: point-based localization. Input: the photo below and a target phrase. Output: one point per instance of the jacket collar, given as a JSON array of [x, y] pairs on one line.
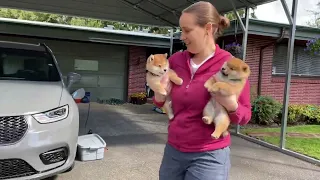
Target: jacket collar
[[219, 55]]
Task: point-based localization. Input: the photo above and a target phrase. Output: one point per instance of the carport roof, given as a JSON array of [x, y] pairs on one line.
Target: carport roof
[[147, 12]]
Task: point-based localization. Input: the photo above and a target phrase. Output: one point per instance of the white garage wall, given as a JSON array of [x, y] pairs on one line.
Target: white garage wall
[[110, 81]]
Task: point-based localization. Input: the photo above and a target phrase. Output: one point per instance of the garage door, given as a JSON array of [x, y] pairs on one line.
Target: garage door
[[103, 67]]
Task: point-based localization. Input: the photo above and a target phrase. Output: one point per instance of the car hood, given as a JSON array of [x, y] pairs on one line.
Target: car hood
[[28, 97]]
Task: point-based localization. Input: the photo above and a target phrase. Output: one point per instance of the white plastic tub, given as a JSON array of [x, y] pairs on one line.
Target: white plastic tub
[[90, 147]]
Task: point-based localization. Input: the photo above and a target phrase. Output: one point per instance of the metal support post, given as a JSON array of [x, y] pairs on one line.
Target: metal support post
[[244, 28], [292, 20], [245, 35], [244, 46], [171, 41], [237, 15]]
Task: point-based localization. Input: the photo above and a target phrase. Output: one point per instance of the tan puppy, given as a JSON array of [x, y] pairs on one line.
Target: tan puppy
[[230, 80], [159, 78]]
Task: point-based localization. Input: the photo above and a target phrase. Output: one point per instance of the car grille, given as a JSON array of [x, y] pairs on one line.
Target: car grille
[[54, 156], [14, 168], [12, 129]]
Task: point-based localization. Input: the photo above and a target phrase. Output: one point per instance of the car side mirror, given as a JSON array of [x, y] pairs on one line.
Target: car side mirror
[[72, 78]]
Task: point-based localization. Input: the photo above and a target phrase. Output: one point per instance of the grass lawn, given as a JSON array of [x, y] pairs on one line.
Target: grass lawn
[[307, 146]]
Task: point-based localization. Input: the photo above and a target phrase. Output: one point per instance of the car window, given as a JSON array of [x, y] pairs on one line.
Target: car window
[[18, 64]]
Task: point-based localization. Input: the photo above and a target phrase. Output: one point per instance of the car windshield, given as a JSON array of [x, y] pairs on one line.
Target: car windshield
[[28, 65]]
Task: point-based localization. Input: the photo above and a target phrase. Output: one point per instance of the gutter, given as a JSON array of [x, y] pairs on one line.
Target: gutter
[[261, 58]]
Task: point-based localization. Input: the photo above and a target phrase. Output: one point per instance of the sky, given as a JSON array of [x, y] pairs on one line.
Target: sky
[[274, 11]]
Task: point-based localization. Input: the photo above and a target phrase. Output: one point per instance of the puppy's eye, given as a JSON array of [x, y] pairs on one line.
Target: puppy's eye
[[231, 69], [159, 65], [244, 68]]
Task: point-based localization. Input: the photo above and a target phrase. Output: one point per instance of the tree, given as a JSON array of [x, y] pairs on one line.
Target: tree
[[69, 20], [253, 13], [89, 22], [76, 21], [231, 16], [316, 17]]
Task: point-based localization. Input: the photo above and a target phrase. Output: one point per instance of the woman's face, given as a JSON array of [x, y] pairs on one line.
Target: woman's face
[[194, 36]]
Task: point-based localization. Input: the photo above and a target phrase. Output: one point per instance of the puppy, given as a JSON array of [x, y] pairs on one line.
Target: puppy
[[230, 80], [159, 78]]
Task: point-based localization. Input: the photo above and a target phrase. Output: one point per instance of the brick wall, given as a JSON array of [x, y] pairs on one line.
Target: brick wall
[[303, 89], [137, 70]]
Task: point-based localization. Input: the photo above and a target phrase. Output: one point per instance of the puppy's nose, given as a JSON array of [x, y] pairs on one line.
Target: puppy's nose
[[165, 70], [223, 69]]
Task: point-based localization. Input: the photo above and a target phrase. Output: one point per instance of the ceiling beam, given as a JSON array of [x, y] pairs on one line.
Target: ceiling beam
[[137, 7]]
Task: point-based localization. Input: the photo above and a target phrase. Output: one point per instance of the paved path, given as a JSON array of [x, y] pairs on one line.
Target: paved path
[[136, 135]]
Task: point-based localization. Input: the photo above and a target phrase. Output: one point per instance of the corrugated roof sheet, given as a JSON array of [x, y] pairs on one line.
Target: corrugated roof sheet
[[147, 12]]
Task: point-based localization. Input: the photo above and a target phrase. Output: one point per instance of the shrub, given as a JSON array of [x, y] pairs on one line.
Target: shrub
[[235, 49], [313, 46], [312, 112], [265, 110], [138, 98], [111, 101], [303, 113], [295, 114]]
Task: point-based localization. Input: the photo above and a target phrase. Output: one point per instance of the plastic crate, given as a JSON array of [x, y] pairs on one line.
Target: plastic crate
[[90, 147]]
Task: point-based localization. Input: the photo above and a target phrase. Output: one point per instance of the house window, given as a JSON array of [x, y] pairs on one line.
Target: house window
[[304, 64]]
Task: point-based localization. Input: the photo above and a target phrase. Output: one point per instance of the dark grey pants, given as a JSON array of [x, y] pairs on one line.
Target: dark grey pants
[[211, 165]]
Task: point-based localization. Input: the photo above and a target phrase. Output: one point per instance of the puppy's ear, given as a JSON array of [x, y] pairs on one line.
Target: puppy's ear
[[245, 68], [151, 58]]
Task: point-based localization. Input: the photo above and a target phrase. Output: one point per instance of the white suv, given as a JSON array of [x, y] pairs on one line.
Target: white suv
[[39, 119]]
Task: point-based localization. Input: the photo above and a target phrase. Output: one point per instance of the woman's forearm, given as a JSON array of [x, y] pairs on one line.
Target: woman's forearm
[[242, 115]]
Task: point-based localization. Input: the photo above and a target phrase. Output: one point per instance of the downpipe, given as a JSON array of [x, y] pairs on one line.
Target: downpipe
[[261, 58]]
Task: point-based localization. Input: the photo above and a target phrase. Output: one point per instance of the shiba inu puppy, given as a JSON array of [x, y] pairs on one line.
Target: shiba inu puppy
[[230, 80], [159, 78]]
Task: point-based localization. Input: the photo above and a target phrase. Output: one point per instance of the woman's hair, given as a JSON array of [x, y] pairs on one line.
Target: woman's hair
[[206, 13]]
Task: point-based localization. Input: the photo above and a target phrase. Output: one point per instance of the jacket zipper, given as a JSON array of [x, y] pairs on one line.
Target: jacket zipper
[[192, 75], [189, 82]]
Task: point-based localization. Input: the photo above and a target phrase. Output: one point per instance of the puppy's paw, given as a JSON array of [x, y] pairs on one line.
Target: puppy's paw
[[215, 135], [225, 134], [180, 82], [163, 92], [214, 88], [170, 104], [207, 120], [170, 116], [207, 85]]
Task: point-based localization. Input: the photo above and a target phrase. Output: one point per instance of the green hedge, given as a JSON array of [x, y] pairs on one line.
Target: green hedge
[[266, 110]]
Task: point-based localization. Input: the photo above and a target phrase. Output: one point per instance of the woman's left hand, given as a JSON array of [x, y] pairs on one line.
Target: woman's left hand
[[229, 102]]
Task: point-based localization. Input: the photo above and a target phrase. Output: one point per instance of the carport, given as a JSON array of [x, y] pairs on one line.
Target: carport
[[166, 13]]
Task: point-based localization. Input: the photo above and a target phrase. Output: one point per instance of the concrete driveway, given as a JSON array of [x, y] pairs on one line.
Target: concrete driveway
[[135, 137]]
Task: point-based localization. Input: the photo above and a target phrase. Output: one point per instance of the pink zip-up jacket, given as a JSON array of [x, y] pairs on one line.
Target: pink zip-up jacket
[[187, 132]]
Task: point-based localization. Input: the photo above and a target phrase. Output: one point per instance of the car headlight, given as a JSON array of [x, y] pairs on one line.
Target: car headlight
[[53, 115]]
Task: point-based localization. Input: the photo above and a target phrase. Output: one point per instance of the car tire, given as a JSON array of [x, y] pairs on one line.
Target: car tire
[[70, 168]]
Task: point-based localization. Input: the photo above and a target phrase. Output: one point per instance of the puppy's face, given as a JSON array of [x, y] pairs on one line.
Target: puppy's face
[[157, 64], [235, 69]]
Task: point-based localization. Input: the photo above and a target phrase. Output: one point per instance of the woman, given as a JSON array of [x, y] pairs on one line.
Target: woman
[[190, 152]]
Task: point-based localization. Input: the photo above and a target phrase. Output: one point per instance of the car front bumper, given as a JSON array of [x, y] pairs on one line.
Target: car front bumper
[[25, 159]]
